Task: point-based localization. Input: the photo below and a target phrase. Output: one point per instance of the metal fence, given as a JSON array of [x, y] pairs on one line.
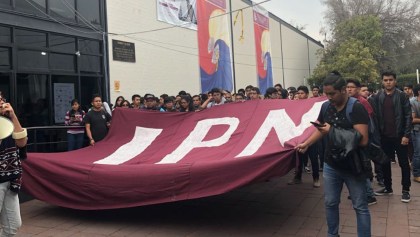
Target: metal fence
[[49, 138]]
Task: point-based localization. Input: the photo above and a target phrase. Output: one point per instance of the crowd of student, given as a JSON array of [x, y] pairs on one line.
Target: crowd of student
[[389, 117]]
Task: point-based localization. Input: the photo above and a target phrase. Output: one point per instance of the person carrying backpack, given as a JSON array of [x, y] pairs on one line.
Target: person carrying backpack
[[337, 170]]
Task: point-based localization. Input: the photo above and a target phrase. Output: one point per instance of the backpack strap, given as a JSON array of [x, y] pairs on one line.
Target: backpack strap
[[324, 108], [349, 108]]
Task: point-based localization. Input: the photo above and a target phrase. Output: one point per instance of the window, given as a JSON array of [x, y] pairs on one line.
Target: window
[[62, 62], [5, 58], [90, 63], [5, 85], [33, 60], [31, 39], [5, 34], [89, 46], [32, 95], [62, 43], [89, 86], [5, 3], [89, 11], [63, 9], [37, 7]]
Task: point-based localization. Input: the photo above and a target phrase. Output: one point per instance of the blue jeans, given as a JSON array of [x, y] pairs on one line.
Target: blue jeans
[[369, 188], [333, 184], [415, 136], [75, 141]]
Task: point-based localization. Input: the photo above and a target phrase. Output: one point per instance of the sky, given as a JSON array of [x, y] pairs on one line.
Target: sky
[[306, 13]]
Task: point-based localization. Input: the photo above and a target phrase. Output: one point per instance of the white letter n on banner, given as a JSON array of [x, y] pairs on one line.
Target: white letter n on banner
[[195, 139], [284, 127]]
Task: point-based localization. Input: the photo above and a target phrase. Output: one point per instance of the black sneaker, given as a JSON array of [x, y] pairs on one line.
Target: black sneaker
[[372, 200], [405, 197], [381, 183], [383, 192]]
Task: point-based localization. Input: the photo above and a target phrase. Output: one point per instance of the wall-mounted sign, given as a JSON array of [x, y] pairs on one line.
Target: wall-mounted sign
[[116, 85], [123, 51]]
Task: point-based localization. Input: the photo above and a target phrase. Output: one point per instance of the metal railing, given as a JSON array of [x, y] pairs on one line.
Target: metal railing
[[49, 138]]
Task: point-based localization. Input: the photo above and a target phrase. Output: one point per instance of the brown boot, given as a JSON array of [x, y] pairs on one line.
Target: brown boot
[[416, 179]]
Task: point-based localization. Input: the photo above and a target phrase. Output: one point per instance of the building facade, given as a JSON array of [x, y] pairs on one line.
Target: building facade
[[167, 60], [54, 50], [50, 51]]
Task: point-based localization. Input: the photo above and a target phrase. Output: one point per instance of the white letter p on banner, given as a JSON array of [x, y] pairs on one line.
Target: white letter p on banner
[[195, 139]]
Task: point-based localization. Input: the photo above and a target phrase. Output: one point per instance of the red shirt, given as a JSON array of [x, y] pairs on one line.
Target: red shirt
[[365, 104]]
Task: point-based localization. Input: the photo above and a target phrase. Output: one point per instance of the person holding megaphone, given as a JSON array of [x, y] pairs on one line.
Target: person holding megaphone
[[13, 139]]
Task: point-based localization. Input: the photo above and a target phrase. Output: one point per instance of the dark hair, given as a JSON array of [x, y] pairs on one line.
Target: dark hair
[[269, 91], [94, 96], [278, 84], [116, 100], [409, 86], [416, 90], [72, 112], [126, 101], [241, 95], [363, 85], [215, 90], [388, 73], [163, 96], [335, 80], [315, 87], [284, 93], [241, 91], [168, 99], [182, 93], [256, 89], [304, 89], [194, 96], [204, 97], [249, 87], [355, 82], [190, 104], [292, 89], [134, 96], [74, 101]]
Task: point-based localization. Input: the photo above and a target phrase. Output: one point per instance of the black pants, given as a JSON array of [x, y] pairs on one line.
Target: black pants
[[311, 153], [390, 146]]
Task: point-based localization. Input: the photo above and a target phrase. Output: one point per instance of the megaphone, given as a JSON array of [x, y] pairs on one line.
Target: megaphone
[[6, 127]]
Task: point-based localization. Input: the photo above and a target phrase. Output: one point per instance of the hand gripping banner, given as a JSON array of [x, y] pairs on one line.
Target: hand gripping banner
[[154, 157]]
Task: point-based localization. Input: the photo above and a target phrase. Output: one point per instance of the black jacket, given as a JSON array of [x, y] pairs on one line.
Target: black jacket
[[402, 110]]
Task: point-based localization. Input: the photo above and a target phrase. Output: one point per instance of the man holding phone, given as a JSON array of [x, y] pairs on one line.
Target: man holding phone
[[335, 175]]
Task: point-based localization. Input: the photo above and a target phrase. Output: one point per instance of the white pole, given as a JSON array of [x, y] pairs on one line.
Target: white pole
[[417, 72]]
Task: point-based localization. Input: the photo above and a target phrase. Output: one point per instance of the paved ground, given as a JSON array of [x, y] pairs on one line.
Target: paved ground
[[266, 209]]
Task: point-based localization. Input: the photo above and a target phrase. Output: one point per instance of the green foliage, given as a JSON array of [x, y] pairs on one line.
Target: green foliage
[[354, 52], [406, 79]]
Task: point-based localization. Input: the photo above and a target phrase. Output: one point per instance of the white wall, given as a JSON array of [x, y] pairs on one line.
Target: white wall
[[167, 60]]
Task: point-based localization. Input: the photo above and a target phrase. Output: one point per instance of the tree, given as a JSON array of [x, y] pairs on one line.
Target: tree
[[354, 52], [399, 20]]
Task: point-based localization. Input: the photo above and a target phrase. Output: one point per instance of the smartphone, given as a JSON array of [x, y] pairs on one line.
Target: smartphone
[[318, 125]]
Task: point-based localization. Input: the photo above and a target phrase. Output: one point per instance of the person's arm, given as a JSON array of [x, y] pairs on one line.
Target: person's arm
[[303, 147], [67, 119], [205, 103], [360, 119], [89, 134], [363, 130], [19, 134], [416, 120], [408, 118]]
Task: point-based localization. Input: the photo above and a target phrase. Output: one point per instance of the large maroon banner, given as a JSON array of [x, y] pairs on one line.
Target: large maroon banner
[[152, 157]]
